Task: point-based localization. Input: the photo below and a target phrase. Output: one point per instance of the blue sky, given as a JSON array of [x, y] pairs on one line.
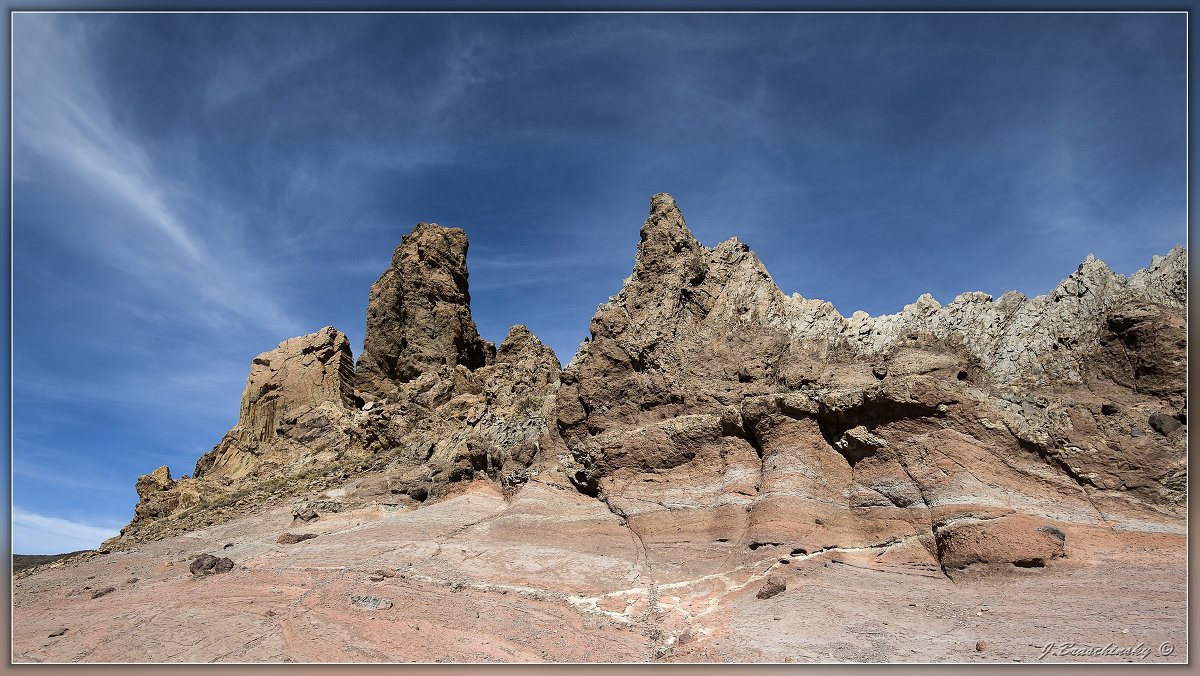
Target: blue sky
[[189, 190]]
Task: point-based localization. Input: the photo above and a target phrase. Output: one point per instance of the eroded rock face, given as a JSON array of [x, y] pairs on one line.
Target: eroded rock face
[[800, 427], [419, 315], [436, 405], [708, 406], [452, 423], [293, 409]]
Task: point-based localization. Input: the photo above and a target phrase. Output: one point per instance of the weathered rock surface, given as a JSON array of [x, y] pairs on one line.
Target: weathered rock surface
[[712, 437], [551, 575], [419, 315], [371, 602], [801, 427], [430, 404], [293, 409]]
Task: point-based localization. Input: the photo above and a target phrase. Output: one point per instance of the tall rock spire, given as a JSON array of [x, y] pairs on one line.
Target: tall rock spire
[[419, 313]]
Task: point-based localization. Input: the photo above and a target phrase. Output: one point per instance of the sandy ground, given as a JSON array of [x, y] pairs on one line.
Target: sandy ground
[[554, 576]]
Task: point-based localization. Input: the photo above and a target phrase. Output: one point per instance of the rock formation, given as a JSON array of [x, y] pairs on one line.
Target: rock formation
[[419, 315], [430, 404], [707, 405], [294, 409]]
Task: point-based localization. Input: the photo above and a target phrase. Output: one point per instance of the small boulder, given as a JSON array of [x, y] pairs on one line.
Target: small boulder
[[207, 564], [1164, 424], [305, 514], [980, 646], [773, 586], [58, 632], [292, 538]]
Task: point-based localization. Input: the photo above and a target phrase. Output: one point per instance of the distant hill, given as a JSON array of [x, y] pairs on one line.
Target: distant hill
[[24, 561]]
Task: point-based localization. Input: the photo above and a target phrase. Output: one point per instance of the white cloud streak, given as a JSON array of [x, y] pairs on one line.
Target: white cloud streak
[[33, 533], [153, 225]]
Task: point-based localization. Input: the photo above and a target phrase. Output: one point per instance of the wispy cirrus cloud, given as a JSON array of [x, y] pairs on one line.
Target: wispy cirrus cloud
[[34, 533], [152, 223]]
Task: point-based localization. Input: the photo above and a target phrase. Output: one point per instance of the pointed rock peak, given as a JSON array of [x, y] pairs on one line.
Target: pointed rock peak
[[158, 480], [1093, 270], [519, 339], [1090, 262], [665, 220], [662, 203], [521, 343], [665, 237], [518, 334], [419, 312], [926, 304], [430, 244]]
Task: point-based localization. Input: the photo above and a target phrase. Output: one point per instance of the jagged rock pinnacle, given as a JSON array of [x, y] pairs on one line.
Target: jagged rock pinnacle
[[419, 313]]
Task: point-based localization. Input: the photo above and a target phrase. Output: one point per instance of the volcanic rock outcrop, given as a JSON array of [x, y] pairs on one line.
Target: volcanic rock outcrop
[[708, 406], [419, 315]]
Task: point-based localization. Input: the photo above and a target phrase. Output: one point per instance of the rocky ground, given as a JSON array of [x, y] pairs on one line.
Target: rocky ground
[[552, 575]]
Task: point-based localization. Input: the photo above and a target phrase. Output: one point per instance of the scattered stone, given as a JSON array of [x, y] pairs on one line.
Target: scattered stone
[[880, 371], [58, 632], [131, 580], [375, 578], [385, 572], [371, 602], [980, 645], [227, 545], [102, 592], [293, 538], [1164, 424], [207, 564], [773, 586]]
